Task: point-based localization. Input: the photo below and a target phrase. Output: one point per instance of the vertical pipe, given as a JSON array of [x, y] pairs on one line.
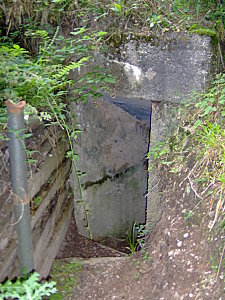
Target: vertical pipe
[[18, 173]]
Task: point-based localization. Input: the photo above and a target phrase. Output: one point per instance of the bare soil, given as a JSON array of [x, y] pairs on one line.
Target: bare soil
[[76, 245], [181, 260]]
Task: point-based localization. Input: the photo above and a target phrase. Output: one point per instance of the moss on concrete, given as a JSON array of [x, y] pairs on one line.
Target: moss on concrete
[[205, 31], [118, 38]]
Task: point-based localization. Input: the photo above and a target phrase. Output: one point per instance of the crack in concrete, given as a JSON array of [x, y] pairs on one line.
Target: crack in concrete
[[121, 172]]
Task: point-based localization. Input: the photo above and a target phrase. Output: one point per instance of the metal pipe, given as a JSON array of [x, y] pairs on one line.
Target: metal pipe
[[18, 173]]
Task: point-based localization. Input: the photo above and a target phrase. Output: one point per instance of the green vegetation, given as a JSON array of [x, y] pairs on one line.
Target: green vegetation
[[205, 31], [65, 273], [36, 58], [112, 16], [26, 288], [136, 238], [42, 42], [195, 153], [36, 201], [41, 77], [132, 239], [198, 146]]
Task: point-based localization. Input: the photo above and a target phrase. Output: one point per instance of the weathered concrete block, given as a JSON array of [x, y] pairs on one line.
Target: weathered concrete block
[[163, 119], [168, 68], [165, 70], [114, 205], [112, 151]]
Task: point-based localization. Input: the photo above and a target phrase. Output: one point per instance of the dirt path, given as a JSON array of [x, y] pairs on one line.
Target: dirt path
[[177, 263]]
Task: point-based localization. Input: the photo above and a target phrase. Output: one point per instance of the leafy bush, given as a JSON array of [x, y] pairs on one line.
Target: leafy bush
[[44, 77], [141, 16], [43, 81], [26, 289]]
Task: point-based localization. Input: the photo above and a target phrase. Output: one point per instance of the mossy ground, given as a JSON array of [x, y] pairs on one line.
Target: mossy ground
[[65, 274]]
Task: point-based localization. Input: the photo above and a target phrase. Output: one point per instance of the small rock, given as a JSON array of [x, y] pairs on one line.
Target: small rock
[[190, 270], [179, 243]]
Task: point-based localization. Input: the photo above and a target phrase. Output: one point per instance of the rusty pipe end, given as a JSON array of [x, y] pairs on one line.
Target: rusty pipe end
[[15, 108]]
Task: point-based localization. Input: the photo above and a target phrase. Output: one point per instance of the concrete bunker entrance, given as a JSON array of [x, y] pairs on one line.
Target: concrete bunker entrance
[[152, 79], [112, 150]]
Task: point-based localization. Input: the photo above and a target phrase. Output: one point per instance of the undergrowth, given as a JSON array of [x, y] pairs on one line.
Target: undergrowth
[[144, 16], [36, 61], [65, 274], [27, 288], [195, 153], [137, 238], [197, 148], [43, 80]]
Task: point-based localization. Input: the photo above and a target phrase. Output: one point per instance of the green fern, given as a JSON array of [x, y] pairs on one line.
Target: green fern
[[73, 65]]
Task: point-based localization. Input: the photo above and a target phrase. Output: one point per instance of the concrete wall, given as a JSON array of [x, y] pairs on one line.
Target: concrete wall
[[51, 205], [164, 72], [167, 68], [112, 151]]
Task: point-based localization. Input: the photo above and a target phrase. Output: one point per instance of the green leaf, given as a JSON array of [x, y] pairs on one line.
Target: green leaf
[[16, 46], [78, 31], [116, 7], [174, 170], [109, 80], [188, 215], [101, 33], [222, 99], [69, 154], [208, 109], [152, 24], [27, 135]]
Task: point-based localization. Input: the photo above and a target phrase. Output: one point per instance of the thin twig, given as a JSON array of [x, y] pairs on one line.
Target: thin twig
[[221, 56], [153, 187], [193, 189], [221, 258], [188, 174], [203, 192]]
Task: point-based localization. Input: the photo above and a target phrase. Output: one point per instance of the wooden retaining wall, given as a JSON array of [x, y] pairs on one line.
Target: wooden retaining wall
[[51, 205]]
